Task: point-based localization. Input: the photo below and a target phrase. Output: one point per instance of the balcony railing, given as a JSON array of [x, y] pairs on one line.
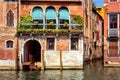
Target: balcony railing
[[55, 0], [113, 32], [42, 28]]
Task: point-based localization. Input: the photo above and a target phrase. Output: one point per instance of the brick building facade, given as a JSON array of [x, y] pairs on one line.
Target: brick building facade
[[52, 31], [111, 32], [92, 32]]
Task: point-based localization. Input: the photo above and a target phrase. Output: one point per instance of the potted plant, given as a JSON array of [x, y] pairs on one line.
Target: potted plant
[[36, 22], [65, 25], [51, 25]]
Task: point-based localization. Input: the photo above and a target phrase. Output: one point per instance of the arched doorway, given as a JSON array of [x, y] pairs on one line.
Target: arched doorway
[[32, 52]]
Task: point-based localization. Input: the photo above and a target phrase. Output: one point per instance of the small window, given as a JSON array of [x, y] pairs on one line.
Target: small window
[[9, 44], [10, 18], [74, 43], [50, 43], [113, 21], [112, 1]]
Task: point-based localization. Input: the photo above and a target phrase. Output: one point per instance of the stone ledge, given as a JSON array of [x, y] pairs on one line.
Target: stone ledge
[[7, 68], [64, 67]]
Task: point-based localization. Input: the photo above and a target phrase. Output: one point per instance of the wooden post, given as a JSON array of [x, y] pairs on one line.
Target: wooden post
[[16, 56], [61, 60], [17, 41], [42, 60]]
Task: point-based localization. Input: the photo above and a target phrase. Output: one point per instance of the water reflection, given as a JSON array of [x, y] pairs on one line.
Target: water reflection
[[51, 75], [92, 71]]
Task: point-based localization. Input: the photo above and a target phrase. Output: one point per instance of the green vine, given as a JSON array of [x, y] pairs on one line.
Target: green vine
[[77, 19], [26, 21], [65, 25]]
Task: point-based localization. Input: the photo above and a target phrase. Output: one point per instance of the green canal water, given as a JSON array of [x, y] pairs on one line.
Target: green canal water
[[92, 71]]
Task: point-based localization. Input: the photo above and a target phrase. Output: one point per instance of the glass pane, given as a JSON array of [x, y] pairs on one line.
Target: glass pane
[[74, 43], [113, 20], [50, 44]]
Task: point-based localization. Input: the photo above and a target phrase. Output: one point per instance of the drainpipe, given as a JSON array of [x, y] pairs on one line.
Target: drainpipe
[[17, 43]]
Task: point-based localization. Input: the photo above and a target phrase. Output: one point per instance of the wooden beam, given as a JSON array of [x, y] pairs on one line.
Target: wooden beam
[[42, 60], [61, 60]]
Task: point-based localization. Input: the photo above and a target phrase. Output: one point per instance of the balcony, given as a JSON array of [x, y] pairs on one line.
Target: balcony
[[113, 33], [43, 29], [55, 0]]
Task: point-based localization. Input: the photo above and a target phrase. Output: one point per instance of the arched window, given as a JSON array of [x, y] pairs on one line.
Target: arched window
[[50, 17], [63, 15], [37, 16], [10, 19], [37, 13], [9, 44]]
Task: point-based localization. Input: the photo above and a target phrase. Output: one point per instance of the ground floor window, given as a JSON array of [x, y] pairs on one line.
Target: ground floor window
[[9, 44], [50, 43], [74, 43], [113, 48]]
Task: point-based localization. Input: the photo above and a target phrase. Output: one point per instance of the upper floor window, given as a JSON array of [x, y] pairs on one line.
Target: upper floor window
[[10, 0], [112, 1], [50, 43], [10, 19], [63, 15], [74, 43], [113, 21], [50, 17], [9, 44]]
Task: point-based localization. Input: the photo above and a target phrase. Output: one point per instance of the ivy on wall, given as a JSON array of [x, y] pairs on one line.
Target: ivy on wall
[[26, 19], [77, 19]]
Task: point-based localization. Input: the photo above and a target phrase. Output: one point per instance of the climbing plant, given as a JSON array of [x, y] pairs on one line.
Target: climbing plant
[[25, 20], [77, 19]]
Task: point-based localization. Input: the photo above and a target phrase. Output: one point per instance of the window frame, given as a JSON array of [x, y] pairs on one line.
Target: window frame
[[75, 45], [113, 2], [7, 45], [109, 20], [13, 17], [47, 44]]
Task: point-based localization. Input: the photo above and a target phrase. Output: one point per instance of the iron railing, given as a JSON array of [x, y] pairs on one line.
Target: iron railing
[[113, 32]]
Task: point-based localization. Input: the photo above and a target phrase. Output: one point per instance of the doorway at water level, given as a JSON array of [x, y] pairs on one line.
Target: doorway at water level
[[32, 53]]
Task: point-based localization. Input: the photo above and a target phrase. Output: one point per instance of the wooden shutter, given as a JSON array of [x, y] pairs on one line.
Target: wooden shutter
[[113, 48]]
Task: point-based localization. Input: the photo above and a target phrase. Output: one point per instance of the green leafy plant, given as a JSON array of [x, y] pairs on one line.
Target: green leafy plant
[[65, 25], [50, 25], [26, 19], [77, 19], [36, 22]]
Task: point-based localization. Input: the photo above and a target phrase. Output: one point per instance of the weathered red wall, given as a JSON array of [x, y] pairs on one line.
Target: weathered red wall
[[74, 8], [109, 7]]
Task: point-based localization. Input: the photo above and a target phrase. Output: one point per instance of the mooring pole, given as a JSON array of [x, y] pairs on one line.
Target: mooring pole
[[42, 60], [61, 60]]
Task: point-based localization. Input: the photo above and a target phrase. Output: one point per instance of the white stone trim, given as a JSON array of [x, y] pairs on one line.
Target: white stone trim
[[55, 41], [9, 40], [112, 2], [6, 19]]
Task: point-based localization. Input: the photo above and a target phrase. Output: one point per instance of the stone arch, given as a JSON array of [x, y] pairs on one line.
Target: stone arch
[[32, 51]]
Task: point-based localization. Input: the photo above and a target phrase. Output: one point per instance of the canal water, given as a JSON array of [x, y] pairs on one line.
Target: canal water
[[92, 71]]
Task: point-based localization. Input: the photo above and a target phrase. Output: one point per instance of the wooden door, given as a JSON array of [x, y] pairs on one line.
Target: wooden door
[[113, 48]]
